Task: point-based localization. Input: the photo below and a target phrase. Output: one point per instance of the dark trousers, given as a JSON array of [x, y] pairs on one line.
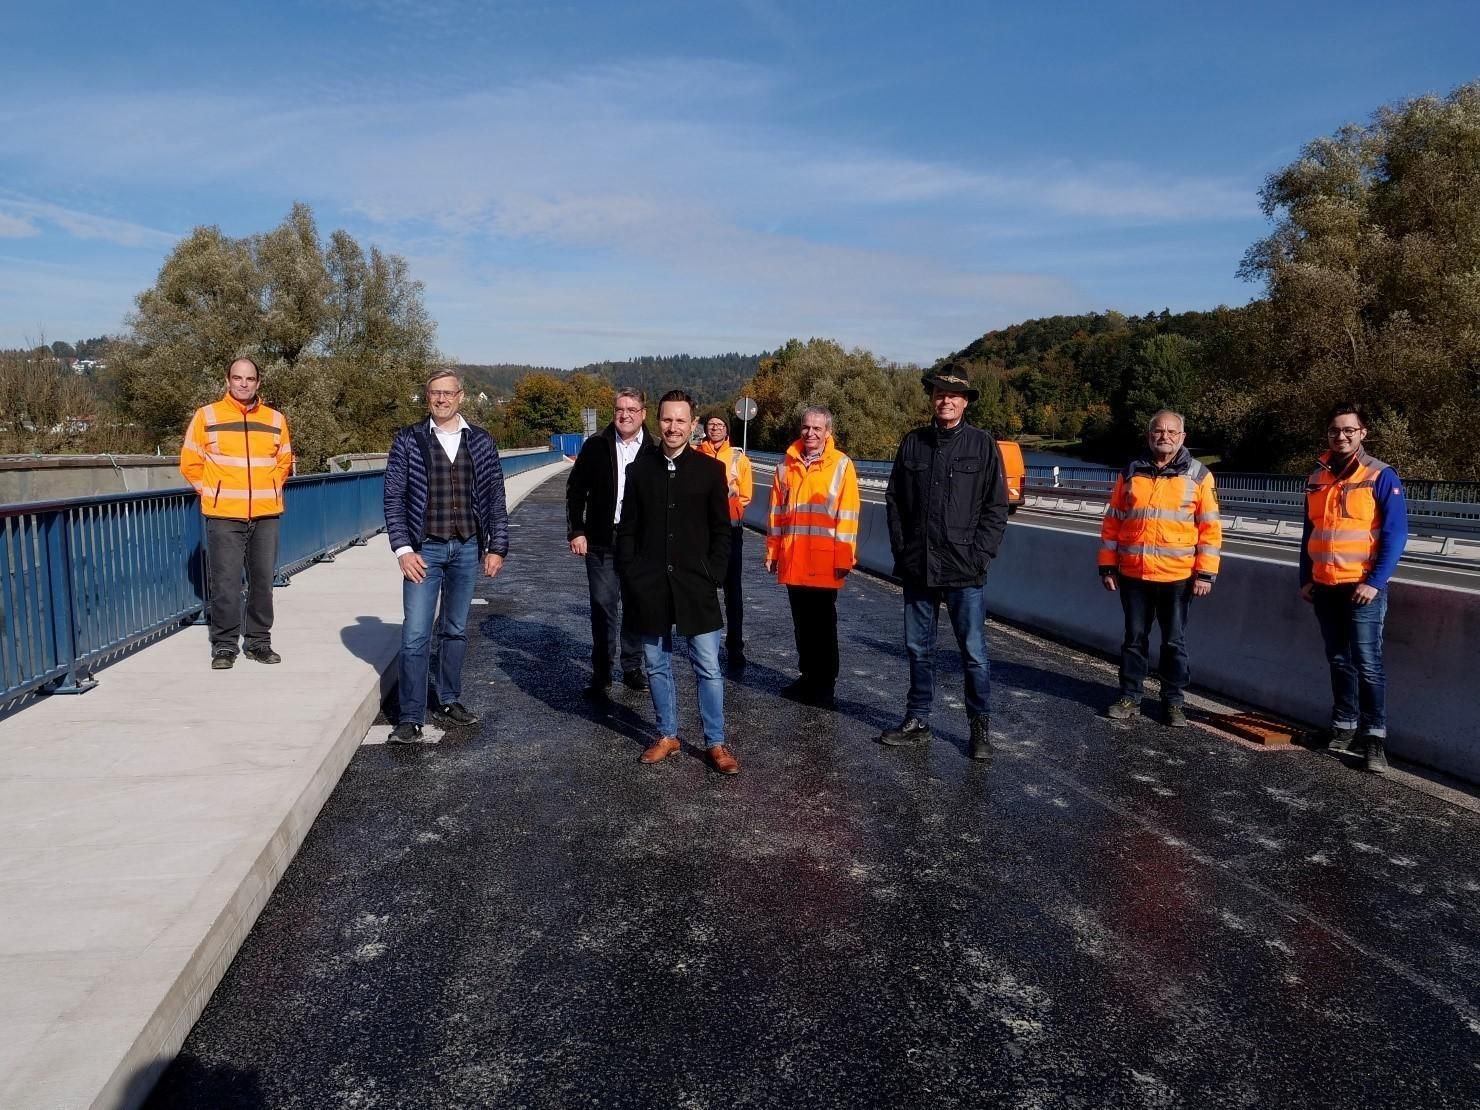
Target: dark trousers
[[611, 636], [237, 548], [734, 601], [1353, 638], [1164, 603], [814, 620]]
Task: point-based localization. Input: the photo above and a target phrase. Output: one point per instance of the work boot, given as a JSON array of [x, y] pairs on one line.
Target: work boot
[[981, 739], [1376, 758], [911, 732], [1176, 716], [1124, 709], [223, 661], [262, 655], [634, 680], [1341, 739]]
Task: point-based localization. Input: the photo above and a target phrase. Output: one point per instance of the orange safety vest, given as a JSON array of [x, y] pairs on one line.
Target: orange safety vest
[[813, 526], [1344, 520], [237, 458], [737, 475], [1162, 526]]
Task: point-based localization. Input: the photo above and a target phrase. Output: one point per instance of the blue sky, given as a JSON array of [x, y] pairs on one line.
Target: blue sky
[[576, 181]]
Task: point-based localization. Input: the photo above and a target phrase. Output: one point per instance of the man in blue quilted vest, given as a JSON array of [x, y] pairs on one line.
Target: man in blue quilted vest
[[445, 516]]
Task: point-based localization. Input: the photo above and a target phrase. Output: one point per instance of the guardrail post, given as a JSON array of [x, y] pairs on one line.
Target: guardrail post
[[61, 603]]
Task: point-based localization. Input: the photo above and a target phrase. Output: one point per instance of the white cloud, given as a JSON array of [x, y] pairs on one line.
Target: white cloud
[[16, 227], [25, 213]]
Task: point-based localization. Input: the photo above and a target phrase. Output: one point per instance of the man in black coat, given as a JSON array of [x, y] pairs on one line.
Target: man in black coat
[[593, 502], [673, 545], [947, 505]]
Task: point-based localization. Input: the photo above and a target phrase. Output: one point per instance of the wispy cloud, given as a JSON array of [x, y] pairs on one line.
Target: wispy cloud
[[23, 214]]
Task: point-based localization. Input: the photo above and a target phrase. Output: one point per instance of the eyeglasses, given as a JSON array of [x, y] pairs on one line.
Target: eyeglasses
[[629, 412], [443, 394], [1343, 433]]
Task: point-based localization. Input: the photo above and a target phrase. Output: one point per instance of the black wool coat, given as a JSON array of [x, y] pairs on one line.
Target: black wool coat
[[591, 488], [673, 543]]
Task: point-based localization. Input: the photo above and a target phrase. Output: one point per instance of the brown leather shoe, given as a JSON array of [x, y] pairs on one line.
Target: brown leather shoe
[[659, 750], [723, 761]]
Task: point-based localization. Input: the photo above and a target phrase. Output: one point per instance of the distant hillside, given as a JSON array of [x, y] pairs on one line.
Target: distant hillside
[[708, 378]]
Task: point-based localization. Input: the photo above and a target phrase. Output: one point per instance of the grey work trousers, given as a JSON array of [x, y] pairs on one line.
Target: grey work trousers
[[237, 548]]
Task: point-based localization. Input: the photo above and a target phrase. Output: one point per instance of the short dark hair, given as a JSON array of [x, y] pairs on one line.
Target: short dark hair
[[677, 395], [1348, 408], [632, 393], [252, 362]]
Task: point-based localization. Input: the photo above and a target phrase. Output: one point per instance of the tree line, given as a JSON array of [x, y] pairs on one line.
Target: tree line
[[1370, 289]]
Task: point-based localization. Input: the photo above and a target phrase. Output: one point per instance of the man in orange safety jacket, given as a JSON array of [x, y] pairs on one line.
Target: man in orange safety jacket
[[1160, 545], [237, 455], [811, 545], [717, 445], [1356, 526]]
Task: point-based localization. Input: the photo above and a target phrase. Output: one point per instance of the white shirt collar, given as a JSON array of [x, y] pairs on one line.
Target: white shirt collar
[[462, 422]]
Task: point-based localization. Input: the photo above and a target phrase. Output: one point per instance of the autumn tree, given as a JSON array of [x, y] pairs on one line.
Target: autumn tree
[[343, 338]]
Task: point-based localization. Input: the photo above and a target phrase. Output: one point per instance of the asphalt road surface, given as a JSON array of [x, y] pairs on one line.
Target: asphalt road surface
[[1110, 915]]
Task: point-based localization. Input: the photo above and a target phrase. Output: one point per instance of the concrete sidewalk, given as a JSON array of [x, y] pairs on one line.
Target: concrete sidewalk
[[144, 825]]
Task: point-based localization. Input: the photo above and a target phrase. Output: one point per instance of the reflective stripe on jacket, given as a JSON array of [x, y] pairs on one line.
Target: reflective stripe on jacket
[[737, 475], [1344, 521], [813, 527], [1162, 523], [237, 457]]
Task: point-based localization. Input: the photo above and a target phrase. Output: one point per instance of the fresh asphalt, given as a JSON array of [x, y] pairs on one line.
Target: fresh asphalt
[[1110, 915]]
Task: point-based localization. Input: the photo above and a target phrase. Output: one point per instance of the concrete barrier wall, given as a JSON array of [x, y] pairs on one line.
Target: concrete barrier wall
[[1252, 638]]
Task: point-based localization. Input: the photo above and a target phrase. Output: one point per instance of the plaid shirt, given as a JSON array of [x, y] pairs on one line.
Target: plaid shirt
[[450, 496]]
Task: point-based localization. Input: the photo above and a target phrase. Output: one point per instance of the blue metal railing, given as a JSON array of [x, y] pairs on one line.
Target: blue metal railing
[[83, 580]]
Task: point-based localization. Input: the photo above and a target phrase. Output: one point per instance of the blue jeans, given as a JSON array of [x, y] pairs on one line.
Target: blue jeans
[[967, 606], [452, 566], [606, 602], [657, 654], [1353, 636], [1163, 603]]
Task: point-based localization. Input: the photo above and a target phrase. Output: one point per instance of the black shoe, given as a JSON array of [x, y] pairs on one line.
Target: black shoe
[[405, 734], [798, 691], [634, 680], [1341, 739], [1175, 716], [735, 662], [822, 699], [981, 740], [223, 661], [262, 655], [455, 713], [911, 732], [1376, 757], [598, 691]]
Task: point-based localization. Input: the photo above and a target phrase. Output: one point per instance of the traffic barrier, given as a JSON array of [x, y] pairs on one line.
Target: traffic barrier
[[1252, 639]]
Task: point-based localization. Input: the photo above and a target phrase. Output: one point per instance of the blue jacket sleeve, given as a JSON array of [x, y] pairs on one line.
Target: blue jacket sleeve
[[396, 467], [1392, 532], [496, 527]]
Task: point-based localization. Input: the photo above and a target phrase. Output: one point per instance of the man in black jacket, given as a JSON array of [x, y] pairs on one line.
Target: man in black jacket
[[947, 511], [593, 505], [673, 545]]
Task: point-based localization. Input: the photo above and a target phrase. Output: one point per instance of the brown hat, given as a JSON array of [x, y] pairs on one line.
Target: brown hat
[[951, 381]]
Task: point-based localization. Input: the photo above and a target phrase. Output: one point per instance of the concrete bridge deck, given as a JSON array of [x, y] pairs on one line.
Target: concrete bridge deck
[[521, 915]]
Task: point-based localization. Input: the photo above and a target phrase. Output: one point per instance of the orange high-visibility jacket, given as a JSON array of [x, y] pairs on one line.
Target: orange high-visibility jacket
[[237, 457], [737, 475], [1162, 524], [1344, 521], [813, 526]]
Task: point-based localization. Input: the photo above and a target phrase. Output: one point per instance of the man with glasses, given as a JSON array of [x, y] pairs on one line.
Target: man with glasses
[[445, 516], [593, 508], [716, 444], [1160, 545], [1356, 526]]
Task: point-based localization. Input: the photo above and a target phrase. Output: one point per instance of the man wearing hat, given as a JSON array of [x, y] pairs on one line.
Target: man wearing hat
[[947, 506]]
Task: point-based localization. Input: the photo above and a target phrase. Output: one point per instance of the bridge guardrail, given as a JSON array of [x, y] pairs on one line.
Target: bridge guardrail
[[85, 579]]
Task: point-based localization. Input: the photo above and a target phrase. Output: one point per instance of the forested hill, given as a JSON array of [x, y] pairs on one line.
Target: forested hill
[[709, 378]]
